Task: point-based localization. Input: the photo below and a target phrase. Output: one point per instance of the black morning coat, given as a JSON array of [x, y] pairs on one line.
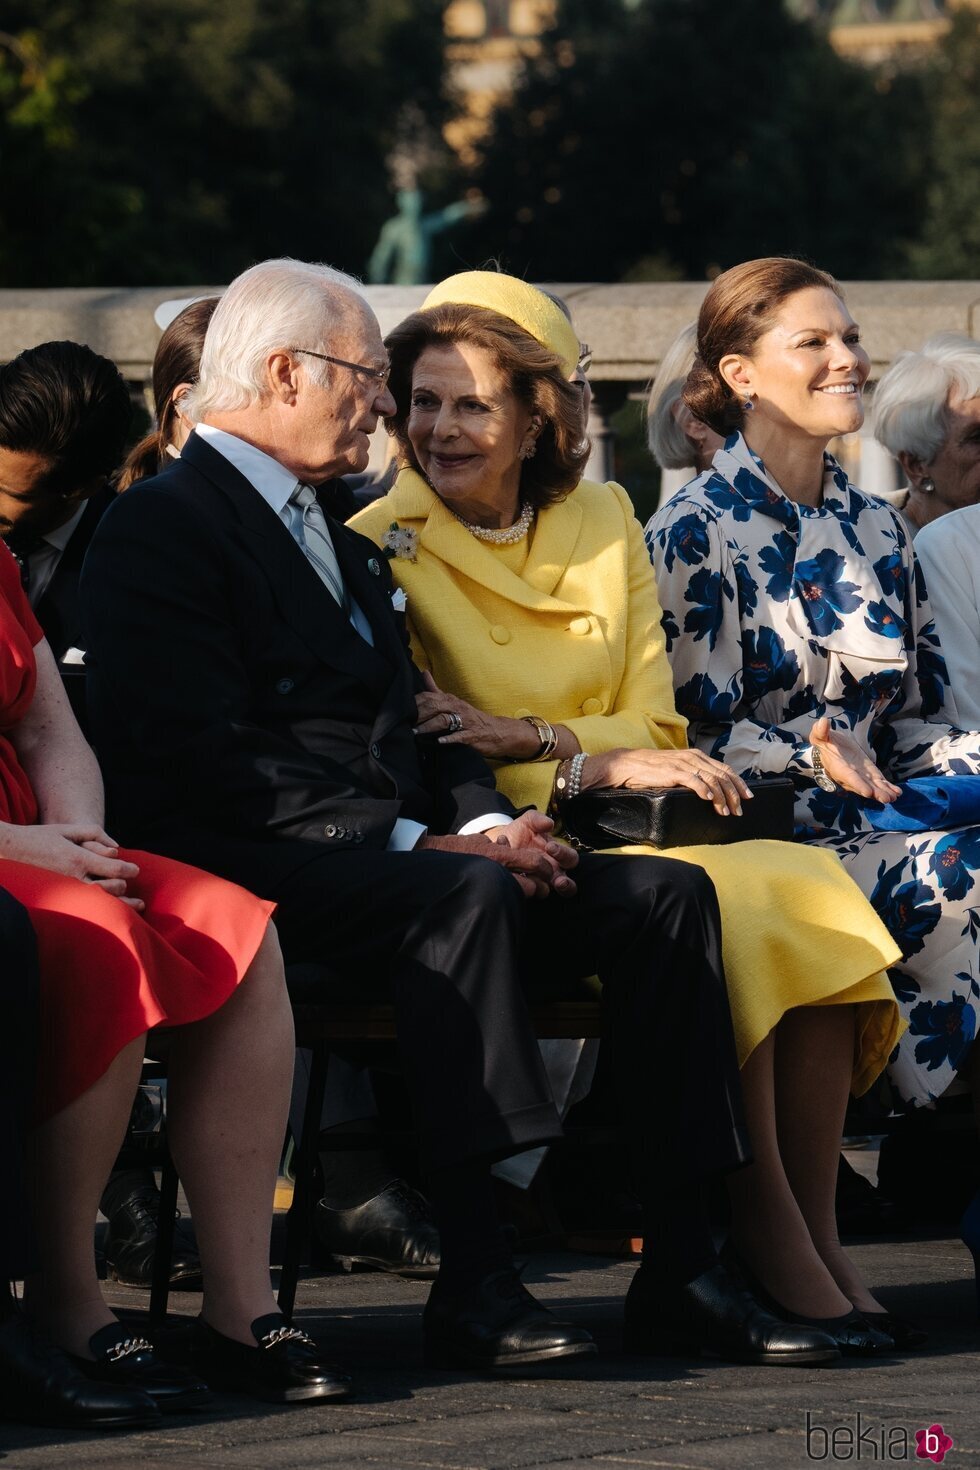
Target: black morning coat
[[241, 721]]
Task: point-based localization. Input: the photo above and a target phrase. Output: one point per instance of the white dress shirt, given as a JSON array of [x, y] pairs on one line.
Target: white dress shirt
[[948, 549], [276, 484]]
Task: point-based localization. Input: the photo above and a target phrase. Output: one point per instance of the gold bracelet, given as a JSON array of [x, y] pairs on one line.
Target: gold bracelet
[[546, 734]]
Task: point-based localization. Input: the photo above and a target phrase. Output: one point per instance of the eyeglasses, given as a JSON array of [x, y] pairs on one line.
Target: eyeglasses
[[377, 375], [584, 357]]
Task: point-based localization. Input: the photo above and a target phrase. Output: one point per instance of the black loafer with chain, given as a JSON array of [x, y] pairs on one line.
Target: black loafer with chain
[[284, 1366], [130, 1362], [41, 1384]]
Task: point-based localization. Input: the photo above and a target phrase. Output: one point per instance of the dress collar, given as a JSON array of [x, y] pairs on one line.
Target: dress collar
[[748, 477], [837, 596]]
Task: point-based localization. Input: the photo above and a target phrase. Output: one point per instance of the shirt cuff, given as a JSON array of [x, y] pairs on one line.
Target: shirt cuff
[[405, 835], [484, 823]]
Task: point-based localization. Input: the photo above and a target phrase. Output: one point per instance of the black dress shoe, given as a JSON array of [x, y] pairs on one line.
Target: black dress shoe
[[40, 1384], [130, 1362], [716, 1316], [283, 1367], [497, 1325], [131, 1240], [394, 1232]]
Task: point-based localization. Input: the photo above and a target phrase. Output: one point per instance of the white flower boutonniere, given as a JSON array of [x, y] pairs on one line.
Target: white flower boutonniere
[[401, 542], [399, 601]]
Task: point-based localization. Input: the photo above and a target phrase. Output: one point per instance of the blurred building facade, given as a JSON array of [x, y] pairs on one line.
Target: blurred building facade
[[488, 39]]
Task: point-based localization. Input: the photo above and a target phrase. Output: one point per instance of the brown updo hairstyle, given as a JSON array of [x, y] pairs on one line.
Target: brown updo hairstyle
[[533, 373], [739, 308], [177, 360]]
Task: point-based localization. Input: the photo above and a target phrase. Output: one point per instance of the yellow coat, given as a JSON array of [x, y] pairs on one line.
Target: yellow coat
[[596, 660], [576, 638]]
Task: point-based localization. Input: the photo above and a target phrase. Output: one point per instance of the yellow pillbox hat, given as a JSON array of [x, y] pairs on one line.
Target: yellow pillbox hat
[[516, 300]]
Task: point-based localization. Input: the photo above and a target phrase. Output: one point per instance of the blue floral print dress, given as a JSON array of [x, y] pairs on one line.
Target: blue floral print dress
[[777, 613]]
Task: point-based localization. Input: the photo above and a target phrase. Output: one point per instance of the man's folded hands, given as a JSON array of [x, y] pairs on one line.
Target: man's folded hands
[[526, 847]]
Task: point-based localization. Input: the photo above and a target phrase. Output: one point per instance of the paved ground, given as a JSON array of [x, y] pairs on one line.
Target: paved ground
[[620, 1413]]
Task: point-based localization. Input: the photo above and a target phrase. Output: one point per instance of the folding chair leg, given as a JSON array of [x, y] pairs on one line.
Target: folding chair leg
[[163, 1255], [299, 1220]]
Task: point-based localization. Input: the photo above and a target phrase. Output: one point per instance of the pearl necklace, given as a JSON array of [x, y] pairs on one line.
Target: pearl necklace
[[506, 535]]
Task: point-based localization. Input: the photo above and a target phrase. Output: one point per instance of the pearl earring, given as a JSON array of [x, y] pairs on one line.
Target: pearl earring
[[928, 485]]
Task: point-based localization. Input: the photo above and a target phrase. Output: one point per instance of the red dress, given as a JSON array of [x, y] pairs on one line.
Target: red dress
[[108, 973]]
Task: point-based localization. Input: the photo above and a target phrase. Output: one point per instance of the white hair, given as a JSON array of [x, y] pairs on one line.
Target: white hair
[[911, 400], [669, 445], [275, 304]]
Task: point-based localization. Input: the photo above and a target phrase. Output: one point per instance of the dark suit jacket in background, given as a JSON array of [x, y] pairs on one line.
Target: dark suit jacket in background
[[58, 611], [242, 723]]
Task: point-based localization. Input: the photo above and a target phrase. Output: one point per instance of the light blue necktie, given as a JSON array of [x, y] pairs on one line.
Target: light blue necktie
[[318, 546]]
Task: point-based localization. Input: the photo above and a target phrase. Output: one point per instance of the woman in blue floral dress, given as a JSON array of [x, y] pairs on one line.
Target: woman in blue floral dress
[[802, 642]]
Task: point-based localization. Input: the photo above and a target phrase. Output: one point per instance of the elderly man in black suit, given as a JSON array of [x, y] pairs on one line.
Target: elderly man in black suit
[[253, 704]]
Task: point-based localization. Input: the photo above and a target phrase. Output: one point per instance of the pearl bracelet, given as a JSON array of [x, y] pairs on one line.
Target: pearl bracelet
[[571, 784]]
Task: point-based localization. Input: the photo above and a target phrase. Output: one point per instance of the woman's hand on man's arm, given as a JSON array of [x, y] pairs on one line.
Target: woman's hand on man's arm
[[496, 737]]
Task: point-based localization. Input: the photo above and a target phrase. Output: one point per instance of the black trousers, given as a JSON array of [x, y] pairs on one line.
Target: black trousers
[[460, 950], [18, 1070]]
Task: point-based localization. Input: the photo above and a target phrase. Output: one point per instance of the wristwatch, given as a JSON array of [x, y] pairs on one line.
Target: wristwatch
[[825, 782]]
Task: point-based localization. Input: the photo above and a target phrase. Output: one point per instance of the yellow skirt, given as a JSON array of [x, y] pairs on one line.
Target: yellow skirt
[[797, 931]]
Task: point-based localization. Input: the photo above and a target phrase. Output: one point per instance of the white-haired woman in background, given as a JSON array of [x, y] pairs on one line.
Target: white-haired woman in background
[[927, 413], [678, 440], [932, 420]]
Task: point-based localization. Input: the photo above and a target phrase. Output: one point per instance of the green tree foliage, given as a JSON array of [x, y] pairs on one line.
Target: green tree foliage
[[169, 141], [679, 136], [950, 242]]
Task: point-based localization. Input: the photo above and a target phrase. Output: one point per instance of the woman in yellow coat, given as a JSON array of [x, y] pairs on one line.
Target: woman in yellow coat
[[529, 594]]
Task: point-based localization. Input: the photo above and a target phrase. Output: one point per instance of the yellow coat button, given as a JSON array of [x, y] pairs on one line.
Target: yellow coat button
[[500, 634], [592, 707], [580, 626], [522, 714]]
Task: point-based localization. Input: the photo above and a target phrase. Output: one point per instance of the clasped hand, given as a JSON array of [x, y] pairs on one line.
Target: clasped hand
[[77, 849], [848, 763], [525, 847]]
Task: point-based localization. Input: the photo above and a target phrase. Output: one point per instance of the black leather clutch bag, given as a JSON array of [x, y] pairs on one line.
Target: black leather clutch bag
[[673, 816]]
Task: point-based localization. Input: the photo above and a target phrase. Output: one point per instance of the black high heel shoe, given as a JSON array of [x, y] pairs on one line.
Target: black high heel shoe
[[903, 1333], [853, 1334]]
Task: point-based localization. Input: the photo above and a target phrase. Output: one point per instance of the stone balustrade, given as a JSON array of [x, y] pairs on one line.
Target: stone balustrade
[[628, 328]]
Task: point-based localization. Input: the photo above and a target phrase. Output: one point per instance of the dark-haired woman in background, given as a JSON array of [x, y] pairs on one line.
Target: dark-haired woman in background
[[802, 642], [176, 365]]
